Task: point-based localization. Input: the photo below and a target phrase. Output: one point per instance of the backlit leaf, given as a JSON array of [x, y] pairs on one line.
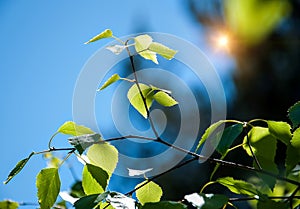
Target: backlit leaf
[[71, 128], [151, 192], [104, 156], [20, 165], [82, 142], [164, 99], [207, 201], [280, 130], [8, 204], [211, 130], [294, 114], [163, 205], [136, 99], [228, 136], [48, 186], [292, 158], [264, 146], [120, 201], [94, 179], [105, 34], [296, 139], [112, 79], [162, 50], [142, 44], [238, 186]]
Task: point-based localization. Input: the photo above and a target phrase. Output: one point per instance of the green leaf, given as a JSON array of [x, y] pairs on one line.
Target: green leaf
[[264, 146], [120, 201], [8, 204], [209, 132], [164, 205], [136, 99], [142, 44], [164, 99], [48, 186], [280, 130], [82, 142], [20, 165], [265, 204], [207, 201], [87, 202], [151, 192], [296, 139], [238, 186], [94, 179], [105, 34], [104, 156], [77, 190], [112, 79], [292, 158], [294, 114], [228, 136], [162, 50], [71, 128]]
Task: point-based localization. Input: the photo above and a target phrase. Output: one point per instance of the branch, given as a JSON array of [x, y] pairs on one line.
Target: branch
[[161, 174], [236, 199], [227, 163]]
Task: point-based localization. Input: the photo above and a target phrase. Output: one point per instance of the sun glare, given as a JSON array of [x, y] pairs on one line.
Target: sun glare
[[223, 41]]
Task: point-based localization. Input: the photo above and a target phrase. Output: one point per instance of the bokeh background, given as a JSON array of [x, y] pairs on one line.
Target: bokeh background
[[42, 54]]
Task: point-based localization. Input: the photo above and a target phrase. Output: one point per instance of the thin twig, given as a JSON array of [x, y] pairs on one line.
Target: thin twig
[[228, 163], [161, 174], [251, 150], [236, 199]]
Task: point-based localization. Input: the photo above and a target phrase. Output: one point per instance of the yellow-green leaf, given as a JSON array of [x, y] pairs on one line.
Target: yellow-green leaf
[[8, 204], [296, 139], [48, 186], [238, 186], [210, 131], [151, 192], [112, 79], [142, 44], [162, 50], [164, 99], [104, 156], [94, 179], [136, 99], [280, 130], [71, 128], [105, 34], [264, 146]]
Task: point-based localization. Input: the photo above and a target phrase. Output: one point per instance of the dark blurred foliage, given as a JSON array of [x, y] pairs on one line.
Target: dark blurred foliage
[[267, 79], [267, 74]]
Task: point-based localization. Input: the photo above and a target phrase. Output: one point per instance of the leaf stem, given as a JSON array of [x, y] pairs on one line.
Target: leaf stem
[[51, 139], [140, 92], [251, 150]]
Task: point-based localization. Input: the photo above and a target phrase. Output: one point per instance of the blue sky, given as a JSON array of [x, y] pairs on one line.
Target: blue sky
[[42, 53]]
